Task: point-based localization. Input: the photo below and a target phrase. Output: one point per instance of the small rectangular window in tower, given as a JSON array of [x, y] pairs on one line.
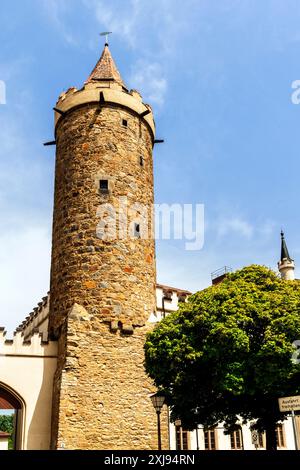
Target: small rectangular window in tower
[[141, 160], [124, 122], [137, 232], [103, 186]]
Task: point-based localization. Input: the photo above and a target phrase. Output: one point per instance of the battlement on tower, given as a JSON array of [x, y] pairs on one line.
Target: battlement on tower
[[111, 94]]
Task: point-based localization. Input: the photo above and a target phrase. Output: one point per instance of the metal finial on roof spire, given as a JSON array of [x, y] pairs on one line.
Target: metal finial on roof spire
[[284, 249], [106, 33]]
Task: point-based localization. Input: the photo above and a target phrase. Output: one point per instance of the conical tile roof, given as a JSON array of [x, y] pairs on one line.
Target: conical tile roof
[[106, 69]]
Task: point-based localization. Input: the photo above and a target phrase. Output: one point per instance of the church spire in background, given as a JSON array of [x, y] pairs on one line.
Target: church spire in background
[[286, 265], [284, 249]]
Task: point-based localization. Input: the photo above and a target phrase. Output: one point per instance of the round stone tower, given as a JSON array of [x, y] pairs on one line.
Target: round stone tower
[[103, 265]]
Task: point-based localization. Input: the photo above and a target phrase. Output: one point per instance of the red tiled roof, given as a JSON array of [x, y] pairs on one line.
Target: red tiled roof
[[106, 69], [8, 401]]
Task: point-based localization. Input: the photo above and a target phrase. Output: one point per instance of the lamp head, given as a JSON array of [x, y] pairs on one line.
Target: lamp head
[[158, 400]]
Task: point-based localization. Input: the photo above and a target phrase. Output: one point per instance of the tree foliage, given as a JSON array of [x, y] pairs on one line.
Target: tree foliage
[[227, 351], [7, 425]]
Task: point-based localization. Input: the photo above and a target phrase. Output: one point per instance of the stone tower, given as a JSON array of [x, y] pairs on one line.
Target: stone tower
[[286, 265], [103, 265]]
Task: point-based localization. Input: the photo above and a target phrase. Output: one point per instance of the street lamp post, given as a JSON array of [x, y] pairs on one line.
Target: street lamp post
[[158, 400]]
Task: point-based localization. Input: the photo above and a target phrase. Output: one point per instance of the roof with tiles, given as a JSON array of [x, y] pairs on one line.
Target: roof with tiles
[[106, 69]]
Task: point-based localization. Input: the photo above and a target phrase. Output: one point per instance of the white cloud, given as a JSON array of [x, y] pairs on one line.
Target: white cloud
[[143, 24], [24, 272], [224, 226], [19, 169], [242, 244], [185, 270], [25, 222], [227, 225], [149, 79], [55, 11], [14, 67], [267, 229], [122, 19]]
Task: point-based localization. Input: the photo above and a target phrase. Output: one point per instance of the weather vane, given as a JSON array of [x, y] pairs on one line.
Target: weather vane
[[106, 33]]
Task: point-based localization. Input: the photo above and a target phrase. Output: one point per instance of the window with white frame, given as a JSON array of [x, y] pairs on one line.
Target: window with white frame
[[236, 439], [210, 439], [280, 437], [182, 438]]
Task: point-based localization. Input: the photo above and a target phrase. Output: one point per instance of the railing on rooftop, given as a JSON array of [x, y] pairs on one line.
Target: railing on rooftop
[[221, 272]]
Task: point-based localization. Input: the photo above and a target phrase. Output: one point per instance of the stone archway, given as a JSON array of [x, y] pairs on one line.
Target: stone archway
[[10, 400]]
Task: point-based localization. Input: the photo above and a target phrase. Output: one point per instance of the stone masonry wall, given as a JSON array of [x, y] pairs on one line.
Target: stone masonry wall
[[101, 390], [104, 402]]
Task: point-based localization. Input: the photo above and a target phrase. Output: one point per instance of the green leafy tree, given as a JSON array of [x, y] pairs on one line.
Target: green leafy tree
[[7, 425], [227, 352]]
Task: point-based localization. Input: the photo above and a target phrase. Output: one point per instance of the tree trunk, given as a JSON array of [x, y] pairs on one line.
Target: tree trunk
[[271, 442]]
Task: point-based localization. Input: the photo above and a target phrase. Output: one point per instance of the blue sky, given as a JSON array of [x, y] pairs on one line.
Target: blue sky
[[218, 75]]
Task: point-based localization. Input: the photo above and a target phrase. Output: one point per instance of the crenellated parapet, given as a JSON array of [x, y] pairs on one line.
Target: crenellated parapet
[[103, 94], [19, 346], [37, 320]]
